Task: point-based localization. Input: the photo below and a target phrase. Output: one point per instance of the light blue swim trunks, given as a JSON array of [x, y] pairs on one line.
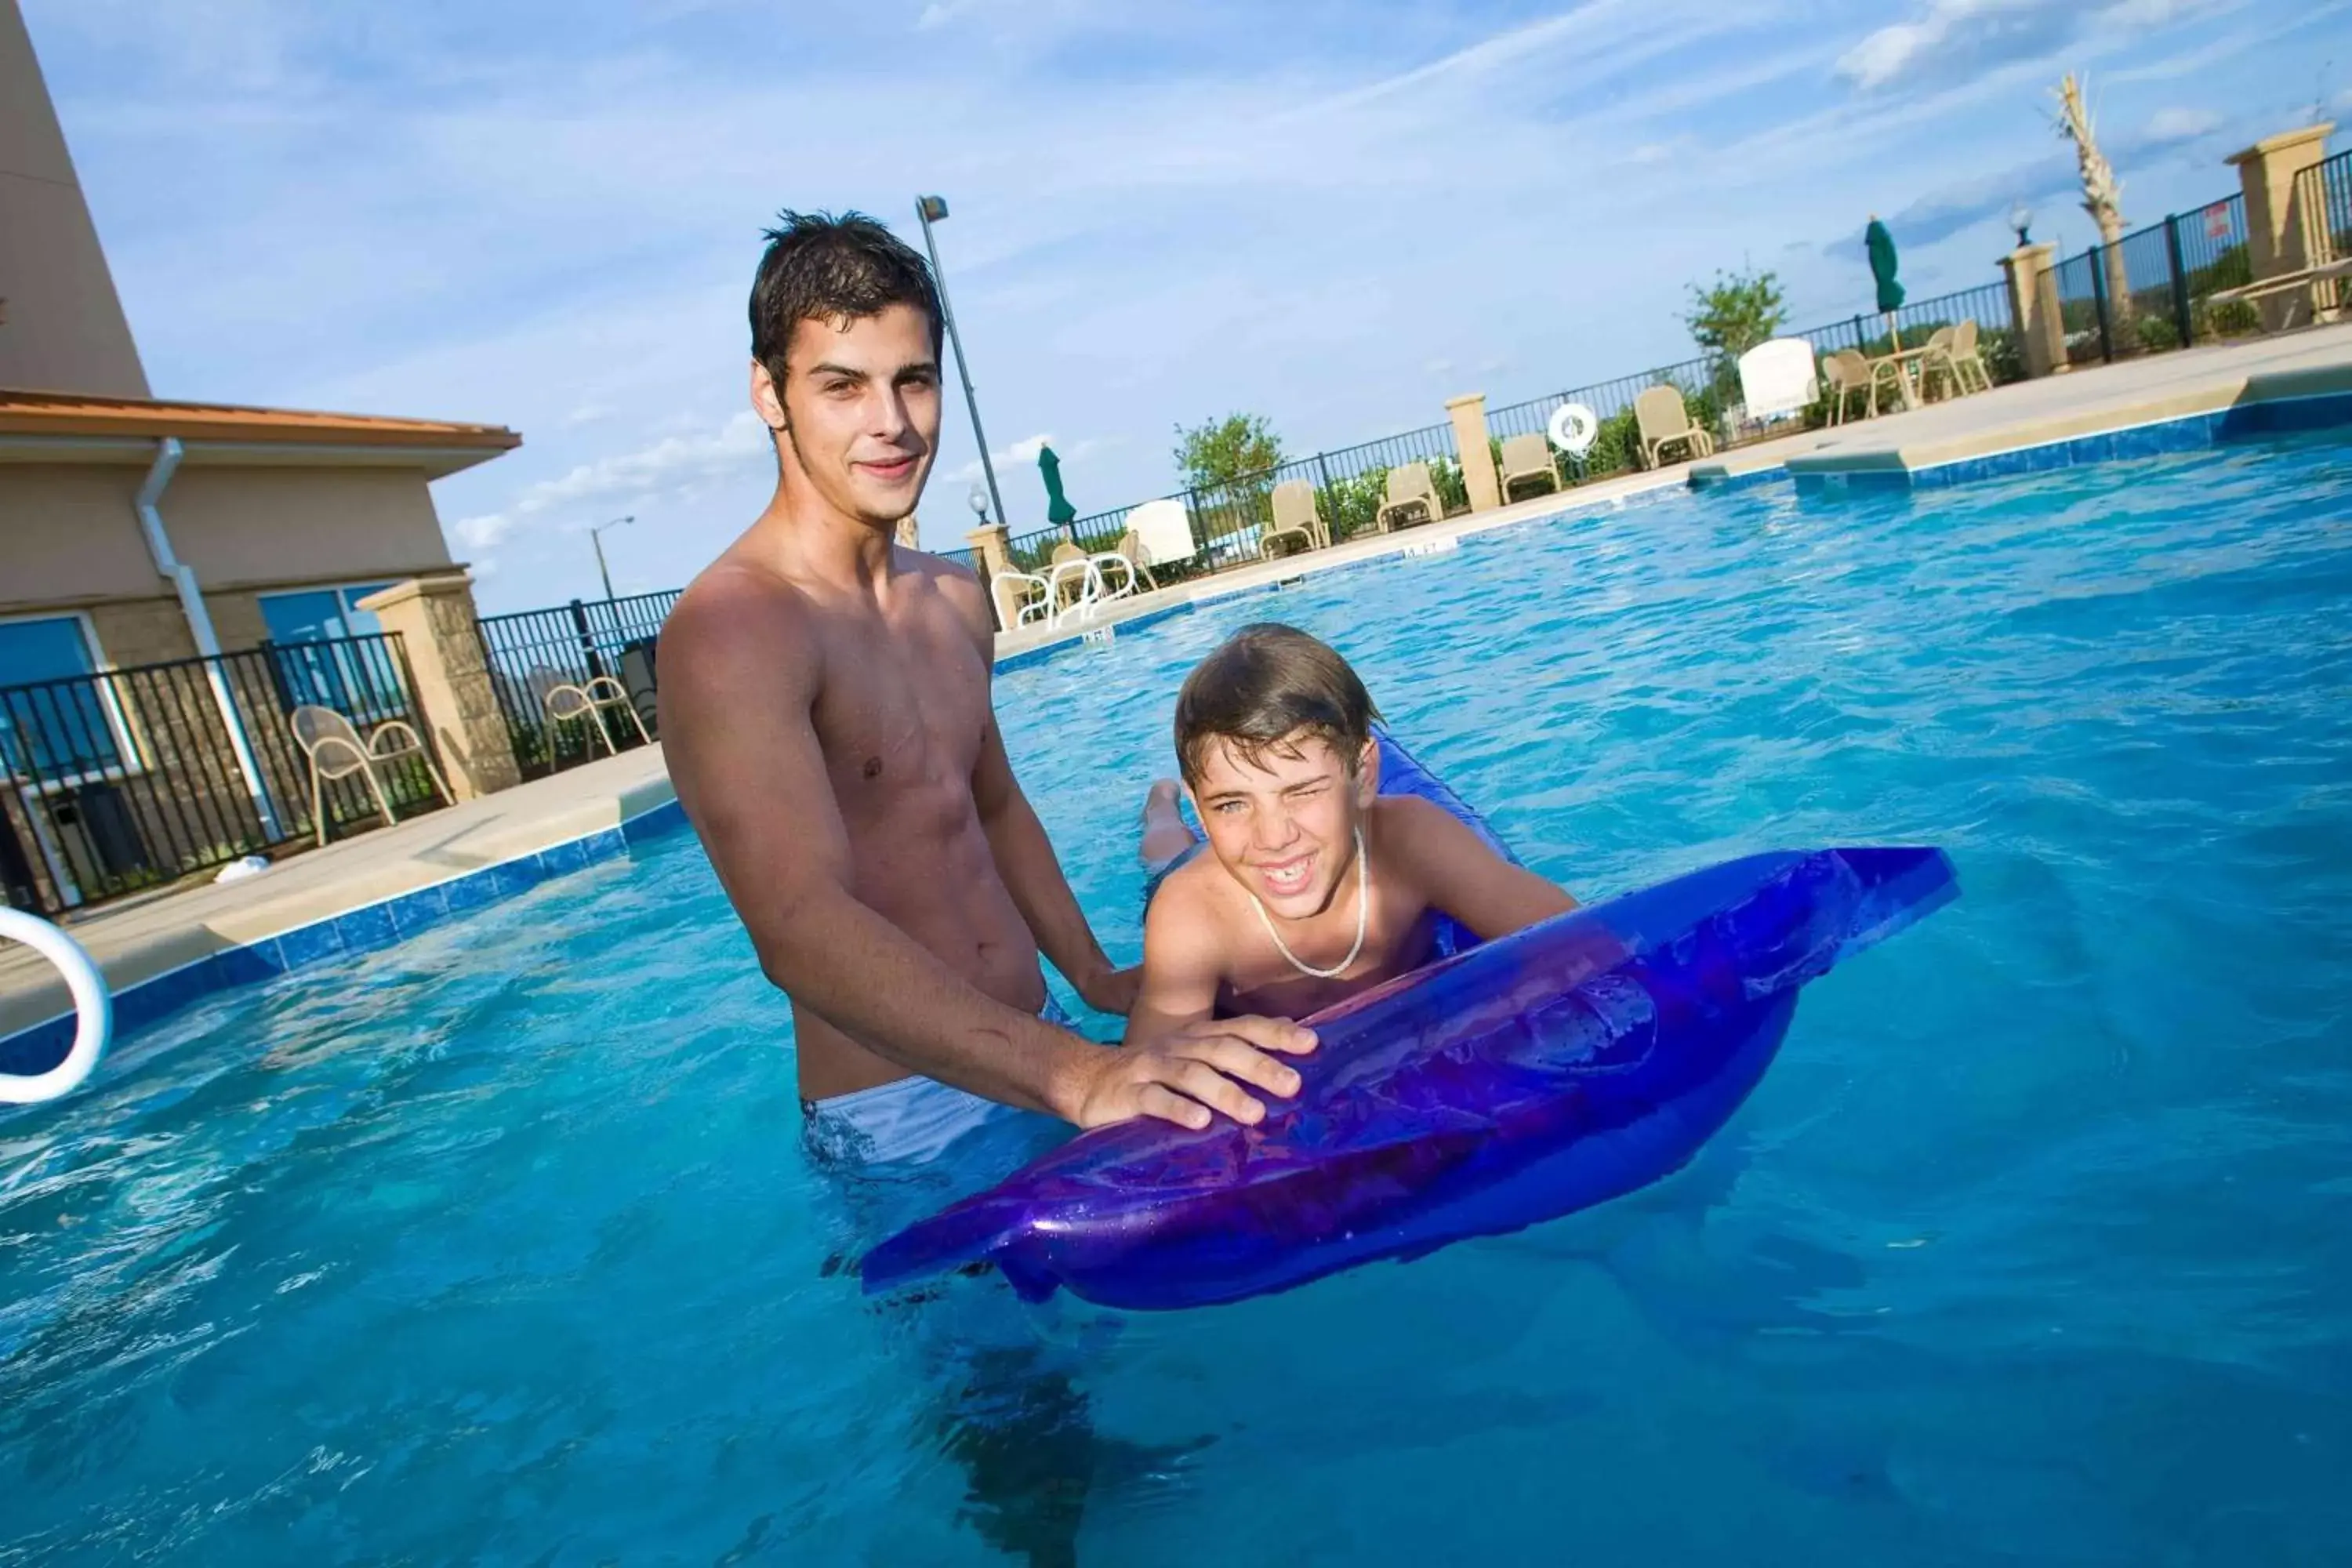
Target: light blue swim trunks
[[916, 1122]]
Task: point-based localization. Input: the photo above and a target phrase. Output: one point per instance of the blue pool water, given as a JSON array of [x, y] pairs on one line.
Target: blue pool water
[[499, 1247]]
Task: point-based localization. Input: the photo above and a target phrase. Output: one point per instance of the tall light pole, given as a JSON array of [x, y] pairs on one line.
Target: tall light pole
[[931, 210], [595, 537]]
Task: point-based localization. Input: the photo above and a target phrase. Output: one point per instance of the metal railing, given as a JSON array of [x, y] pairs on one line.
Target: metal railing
[[2150, 291], [133, 778], [530, 652], [2323, 200]]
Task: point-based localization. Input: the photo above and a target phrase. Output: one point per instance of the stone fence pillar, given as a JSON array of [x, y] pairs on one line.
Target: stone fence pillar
[[1471, 443], [458, 705], [2281, 238], [992, 552], [2033, 308]]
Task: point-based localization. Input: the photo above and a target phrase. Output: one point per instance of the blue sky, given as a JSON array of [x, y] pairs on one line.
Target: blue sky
[[1336, 215]]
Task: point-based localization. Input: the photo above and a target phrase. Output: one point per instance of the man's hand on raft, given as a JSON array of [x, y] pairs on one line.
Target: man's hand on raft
[[1203, 1067]]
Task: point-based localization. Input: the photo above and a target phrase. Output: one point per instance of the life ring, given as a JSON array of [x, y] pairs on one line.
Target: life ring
[[1574, 428], [93, 1011]]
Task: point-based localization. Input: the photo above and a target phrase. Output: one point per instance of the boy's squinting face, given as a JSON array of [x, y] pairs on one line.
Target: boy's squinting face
[[1284, 826]]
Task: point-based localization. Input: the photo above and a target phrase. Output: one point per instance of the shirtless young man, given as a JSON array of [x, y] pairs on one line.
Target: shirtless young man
[[826, 710]]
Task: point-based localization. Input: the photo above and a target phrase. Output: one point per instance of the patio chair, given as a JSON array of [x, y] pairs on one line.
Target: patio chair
[[1963, 361], [588, 701], [1073, 582], [1935, 360], [1843, 374], [334, 750], [1664, 419], [1411, 498], [1776, 378], [1130, 552], [1297, 523], [1021, 597], [1526, 457]]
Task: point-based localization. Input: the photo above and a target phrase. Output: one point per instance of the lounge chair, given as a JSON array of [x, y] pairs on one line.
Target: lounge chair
[[588, 701], [1776, 378], [1844, 374], [334, 751], [1162, 534], [2285, 282], [1664, 419], [1297, 524], [1411, 498], [1526, 457]]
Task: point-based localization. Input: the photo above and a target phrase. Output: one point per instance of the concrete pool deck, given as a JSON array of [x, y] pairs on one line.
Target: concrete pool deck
[[141, 937]]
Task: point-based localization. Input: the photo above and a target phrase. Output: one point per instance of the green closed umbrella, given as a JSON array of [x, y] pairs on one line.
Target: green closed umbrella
[[1058, 510], [1880, 246]]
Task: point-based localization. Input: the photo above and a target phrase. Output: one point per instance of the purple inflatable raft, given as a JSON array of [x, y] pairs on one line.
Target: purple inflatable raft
[[1513, 1082]]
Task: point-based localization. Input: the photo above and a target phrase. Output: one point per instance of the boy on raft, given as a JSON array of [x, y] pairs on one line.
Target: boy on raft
[[1314, 886]]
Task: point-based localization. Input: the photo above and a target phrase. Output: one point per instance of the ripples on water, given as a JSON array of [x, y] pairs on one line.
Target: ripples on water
[[499, 1248]]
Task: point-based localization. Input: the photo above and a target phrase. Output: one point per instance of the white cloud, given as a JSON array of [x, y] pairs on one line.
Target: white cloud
[[663, 473], [2179, 124]]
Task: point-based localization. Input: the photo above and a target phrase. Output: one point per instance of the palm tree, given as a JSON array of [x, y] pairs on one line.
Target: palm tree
[[2102, 196]]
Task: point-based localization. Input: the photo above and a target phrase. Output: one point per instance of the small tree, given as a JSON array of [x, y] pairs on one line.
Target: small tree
[[1222, 450], [1740, 311]]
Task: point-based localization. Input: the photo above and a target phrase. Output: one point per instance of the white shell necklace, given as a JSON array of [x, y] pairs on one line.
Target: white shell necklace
[[1363, 910]]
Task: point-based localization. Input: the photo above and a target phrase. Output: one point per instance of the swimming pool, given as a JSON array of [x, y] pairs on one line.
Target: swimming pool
[[498, 1246]]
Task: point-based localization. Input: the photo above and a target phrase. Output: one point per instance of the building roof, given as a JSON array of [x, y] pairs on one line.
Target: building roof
[[67, 423]]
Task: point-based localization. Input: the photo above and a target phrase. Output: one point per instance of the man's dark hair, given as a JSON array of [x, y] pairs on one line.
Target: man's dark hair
[[1261, 687], [820, 268]]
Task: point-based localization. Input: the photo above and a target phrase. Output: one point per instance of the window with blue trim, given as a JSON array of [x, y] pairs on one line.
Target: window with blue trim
[[55, 723], [355, 679]]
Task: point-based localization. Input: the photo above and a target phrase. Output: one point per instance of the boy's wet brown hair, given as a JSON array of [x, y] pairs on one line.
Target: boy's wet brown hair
[[1266, 685]]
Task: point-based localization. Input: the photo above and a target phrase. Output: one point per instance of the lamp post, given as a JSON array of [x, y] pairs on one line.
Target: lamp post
[[2020, 219], [931, 210], [595, 537]]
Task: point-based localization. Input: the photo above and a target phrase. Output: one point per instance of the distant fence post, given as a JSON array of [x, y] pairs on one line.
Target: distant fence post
[[2277, 232], [2098, 261], [2033, 309], [2184, 320], [1472, 449], [455, 696]]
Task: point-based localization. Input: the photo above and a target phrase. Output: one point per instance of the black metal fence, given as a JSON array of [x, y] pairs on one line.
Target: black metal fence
[[133, 778], [530, 652], [2323, 207], [2152, 289]]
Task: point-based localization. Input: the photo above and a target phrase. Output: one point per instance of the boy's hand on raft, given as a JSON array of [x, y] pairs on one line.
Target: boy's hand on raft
[[1109, 990], [1207, 1067]]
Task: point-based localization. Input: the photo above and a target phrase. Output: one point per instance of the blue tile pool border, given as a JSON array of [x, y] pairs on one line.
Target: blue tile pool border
[[2189, 433], [369, 928]]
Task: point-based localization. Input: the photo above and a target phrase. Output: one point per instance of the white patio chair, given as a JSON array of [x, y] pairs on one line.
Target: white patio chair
[[1022, 597], [589, 701], [335, 751]]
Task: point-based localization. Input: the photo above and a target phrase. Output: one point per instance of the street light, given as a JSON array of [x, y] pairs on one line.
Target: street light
[[2020, 219], [595, 537], [931, 210]]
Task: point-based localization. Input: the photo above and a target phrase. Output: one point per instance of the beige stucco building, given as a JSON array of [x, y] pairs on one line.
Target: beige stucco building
[[135, 530], [258, 505]]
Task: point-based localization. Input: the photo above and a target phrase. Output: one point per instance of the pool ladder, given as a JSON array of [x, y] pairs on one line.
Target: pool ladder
[[93, 1011]]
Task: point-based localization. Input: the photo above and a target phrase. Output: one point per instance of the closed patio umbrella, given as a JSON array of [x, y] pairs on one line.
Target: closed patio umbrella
[[1058, 510], [1880, 246]]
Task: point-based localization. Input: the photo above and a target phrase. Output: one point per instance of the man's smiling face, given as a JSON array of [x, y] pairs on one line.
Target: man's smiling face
[[861, 410]]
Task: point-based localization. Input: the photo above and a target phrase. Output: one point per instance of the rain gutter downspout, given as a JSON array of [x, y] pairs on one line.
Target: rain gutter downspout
[[168, 453]]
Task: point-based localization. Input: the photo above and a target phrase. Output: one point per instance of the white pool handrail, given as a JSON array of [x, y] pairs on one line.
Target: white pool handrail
[[93, 1011]]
